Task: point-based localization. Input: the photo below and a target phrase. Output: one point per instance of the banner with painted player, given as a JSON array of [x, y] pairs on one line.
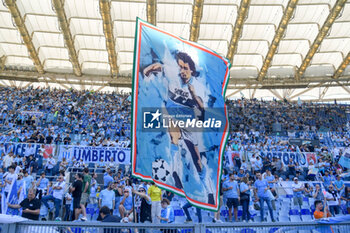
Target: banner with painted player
[[180, 123]]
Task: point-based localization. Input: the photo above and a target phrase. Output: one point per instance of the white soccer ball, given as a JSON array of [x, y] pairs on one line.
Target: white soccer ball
[[161, 170]]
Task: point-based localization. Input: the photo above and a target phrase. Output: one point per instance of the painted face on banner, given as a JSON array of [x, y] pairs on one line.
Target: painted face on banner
[[185, 71]]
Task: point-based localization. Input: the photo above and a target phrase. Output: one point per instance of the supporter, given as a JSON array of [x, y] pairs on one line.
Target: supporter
[[51, 162], [318, 194], [320, 211], [168, 195], [107, 178], [188, 216], [76, 190], [144, 210], [33, 166], [245, 198], [30, 206], [167, 215], [86, 190], [9, 177], [68, 201], [126, 204], [260, 192], [42, 185], [221, 203], [156, 195], [107, 197], [346, 197], [339, 185], [106, 216], [231, 189], [56, 196], [291, 168], [278, 166], [333, 200], [298, 189], [93, 189], [308, 189], [327, 179], [8, 159]]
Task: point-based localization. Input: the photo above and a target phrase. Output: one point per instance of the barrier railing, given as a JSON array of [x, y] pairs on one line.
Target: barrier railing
[[97, 227]]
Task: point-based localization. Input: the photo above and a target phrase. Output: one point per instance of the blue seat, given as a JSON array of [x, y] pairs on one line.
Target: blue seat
[[305, 212], [178, 212], [293, 212]]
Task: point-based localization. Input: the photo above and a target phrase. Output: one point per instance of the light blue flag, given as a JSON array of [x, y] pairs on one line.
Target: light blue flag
[[179, 116], [3, 202], [12, 198], [345, 159]]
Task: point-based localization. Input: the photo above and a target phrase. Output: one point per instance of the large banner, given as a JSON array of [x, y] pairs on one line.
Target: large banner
[[180, 123], [91, 154], [26, 149]]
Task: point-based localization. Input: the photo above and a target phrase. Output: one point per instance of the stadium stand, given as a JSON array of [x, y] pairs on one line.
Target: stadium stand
[[101, 119]]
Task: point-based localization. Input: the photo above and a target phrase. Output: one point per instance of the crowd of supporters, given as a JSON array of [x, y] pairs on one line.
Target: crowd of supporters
[[52, 116]]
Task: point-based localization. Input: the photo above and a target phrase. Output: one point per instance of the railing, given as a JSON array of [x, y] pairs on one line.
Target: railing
[[99, 227]]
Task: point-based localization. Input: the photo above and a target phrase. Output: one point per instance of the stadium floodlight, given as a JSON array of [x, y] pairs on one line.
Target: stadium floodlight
[[342, 67], [197, 13], [63, 22], [237, 29], [278, 36], [27, 39], [336, 10], [105, 10]]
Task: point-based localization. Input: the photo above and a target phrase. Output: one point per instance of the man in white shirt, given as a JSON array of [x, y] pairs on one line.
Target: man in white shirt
[[30, 150], [9, 177], [8, 159], [298, 189], [56, 196]]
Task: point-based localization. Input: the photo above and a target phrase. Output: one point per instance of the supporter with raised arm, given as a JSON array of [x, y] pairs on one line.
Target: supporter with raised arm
[[333, 200], [320, 210], [42, 185]]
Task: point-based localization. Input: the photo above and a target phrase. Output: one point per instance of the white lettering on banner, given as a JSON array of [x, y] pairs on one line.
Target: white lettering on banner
[[95, 154], [300, 157], [26, 149]]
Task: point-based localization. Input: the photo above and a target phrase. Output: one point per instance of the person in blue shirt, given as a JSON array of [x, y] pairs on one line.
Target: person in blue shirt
[[339, 184], [42, 185], [126, 205], [245, 198], [327, 179], [28, 180], [167, 215], [260, 192], [231, 190], [107, 178], [107, 197]]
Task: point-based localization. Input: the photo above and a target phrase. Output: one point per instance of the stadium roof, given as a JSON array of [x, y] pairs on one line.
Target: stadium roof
[[278, 48]]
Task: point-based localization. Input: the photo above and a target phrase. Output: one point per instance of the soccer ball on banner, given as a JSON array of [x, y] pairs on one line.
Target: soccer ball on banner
[[161, 170]]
